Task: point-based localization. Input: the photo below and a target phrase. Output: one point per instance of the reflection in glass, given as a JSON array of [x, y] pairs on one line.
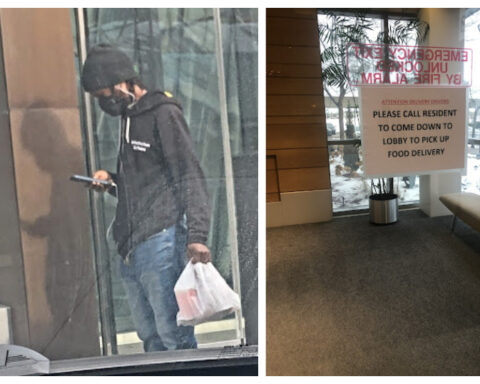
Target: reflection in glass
[[471, 181]]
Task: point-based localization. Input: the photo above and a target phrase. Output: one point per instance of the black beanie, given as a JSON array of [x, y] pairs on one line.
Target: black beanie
[[106, 66]]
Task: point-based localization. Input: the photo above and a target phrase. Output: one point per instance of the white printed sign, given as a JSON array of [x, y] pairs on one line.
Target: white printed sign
[[409, 131]]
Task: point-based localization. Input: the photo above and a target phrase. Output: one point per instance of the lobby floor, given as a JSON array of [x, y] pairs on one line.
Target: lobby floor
[[350, 298]]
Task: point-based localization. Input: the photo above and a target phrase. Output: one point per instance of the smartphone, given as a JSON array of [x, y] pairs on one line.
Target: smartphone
[[90, 180]]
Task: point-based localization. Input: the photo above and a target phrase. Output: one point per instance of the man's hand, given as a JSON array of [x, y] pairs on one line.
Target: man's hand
[[198, 252], [101, 175]]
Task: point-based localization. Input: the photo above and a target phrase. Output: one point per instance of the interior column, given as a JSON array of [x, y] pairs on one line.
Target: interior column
[[446, 30]]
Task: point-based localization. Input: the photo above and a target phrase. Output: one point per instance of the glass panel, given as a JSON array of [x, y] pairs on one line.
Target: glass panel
[[240, 50], [340, 95], [350, 189], [174, 50], [471, 181]]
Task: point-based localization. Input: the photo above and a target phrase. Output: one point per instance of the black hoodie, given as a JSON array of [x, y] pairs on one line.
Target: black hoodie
[[159, 178]]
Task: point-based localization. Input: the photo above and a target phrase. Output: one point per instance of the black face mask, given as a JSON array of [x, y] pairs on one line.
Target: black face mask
[[112, 105]]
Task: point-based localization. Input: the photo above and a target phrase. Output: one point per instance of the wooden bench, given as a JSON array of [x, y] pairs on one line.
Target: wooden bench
[[465, 205]]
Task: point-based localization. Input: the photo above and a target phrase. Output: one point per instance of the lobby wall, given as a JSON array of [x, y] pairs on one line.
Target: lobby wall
[[298, 179], [12, 281]]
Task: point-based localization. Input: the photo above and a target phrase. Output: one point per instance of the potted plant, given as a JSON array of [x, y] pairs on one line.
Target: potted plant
[[383, 202], [335, 33]]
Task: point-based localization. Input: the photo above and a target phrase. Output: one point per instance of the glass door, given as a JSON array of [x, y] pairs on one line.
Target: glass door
[[350, 188], [184, 52], [471, 181]]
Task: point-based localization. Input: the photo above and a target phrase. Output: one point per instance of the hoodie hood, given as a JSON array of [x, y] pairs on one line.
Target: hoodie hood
[[149, 101]]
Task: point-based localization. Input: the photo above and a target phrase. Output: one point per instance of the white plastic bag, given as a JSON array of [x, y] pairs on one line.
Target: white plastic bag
[[203, 295]]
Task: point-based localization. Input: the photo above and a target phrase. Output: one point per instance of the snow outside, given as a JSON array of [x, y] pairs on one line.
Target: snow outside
[[350, 190]]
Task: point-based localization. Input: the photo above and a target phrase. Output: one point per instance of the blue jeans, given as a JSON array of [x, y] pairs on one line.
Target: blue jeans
[[149, 279]]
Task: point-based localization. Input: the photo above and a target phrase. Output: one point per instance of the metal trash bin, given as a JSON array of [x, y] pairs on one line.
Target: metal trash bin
[[383, 209]]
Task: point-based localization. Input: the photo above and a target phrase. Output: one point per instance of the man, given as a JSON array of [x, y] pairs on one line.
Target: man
[[158, 183]]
